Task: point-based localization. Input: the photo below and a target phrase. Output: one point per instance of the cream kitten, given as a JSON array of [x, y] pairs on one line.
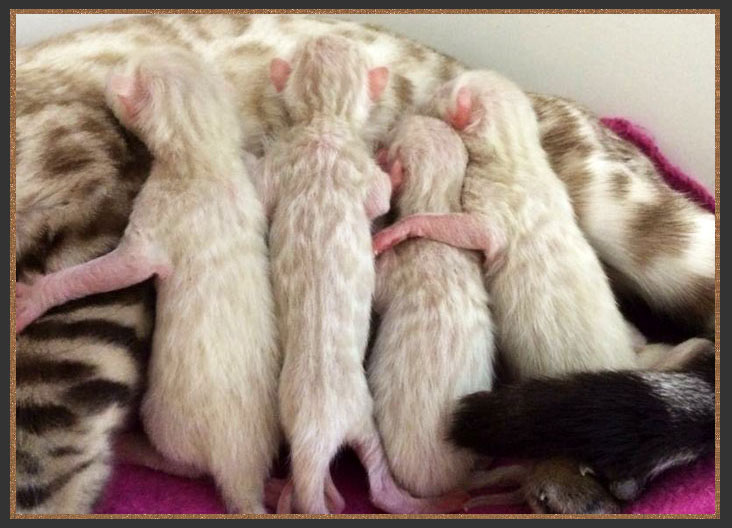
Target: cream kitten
[[198, 226], [326, 188], [435, 339]]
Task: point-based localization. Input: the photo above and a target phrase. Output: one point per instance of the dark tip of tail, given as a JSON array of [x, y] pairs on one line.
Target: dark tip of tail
[[469, 420]]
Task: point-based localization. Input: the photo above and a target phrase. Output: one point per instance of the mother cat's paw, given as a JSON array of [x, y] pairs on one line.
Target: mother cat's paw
[[559, 485]]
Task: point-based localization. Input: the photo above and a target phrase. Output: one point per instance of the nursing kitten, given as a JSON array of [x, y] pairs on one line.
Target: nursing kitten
[[78, 172], [326, 188], [211, 399], [434, 342], [553, 307]]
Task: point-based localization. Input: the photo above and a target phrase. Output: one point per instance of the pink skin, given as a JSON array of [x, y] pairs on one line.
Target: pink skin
[[388, 496], [128, 264], [335, 502], [394, 170], [385, 492], [462, 230], [460, 117]]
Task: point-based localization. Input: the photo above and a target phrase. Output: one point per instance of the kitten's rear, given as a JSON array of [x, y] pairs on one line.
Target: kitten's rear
[[211, 400]]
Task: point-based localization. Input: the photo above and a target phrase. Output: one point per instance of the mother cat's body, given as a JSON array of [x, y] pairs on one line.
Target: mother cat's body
[[79, 367]]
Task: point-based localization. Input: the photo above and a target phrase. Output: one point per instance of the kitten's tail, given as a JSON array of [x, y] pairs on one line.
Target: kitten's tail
[[623, 424]]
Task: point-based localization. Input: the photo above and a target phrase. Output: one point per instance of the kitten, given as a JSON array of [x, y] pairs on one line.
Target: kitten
[[553, 307], [327, 188], [211, 399], [78, 172], [434, 342]]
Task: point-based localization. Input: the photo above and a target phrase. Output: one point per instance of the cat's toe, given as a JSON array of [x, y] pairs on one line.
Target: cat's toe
[[558, 486]]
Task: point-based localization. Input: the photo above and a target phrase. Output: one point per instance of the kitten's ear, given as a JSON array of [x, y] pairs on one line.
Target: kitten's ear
[[279, 72], [378, 77], [460, 117], [130, 93]]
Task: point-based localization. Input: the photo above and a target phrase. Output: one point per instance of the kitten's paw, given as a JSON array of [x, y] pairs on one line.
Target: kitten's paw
[[626, 490], [388, 238], [284, 502], [562, 486], [273, 489]]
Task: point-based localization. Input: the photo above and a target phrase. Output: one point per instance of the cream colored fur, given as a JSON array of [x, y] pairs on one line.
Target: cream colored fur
[[554, 310], [61, 116], [322, 266], [211, 398], [434, 343]]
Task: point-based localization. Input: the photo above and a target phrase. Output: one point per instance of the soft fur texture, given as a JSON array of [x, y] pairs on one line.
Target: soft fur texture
[[553, 307], [656, 244], [211, 400], [676, 179], [139, 490], [625, 426], [78, 172], [326, 188], [322, 267], [434, 342]]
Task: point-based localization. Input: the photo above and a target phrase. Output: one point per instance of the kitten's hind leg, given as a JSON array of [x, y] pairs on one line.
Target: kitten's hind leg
[[284, 502], [278, 495], [514, 475], [500, 476], [664, 357], [386, 493], [461, 230], [133, 447], [309, 486], [130, 263], [310, 465]]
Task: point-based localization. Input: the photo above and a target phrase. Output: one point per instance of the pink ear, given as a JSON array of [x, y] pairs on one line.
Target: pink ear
[[460, 117], [129, 92], [279, 72], [378, 77], [130, 108]]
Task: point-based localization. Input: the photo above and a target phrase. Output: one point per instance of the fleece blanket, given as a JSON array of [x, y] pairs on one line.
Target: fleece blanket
[[685, 490]]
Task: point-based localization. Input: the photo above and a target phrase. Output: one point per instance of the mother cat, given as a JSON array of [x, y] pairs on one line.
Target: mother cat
[[79, 368]]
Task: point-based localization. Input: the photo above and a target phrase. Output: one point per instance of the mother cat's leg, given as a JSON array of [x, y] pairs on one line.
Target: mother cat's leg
[[79, 368], [656, 244]]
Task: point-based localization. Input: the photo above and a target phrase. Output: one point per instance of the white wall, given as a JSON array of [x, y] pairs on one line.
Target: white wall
[[657, 70]]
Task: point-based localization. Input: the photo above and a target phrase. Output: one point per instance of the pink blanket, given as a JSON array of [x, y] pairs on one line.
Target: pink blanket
[[690, 489]]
